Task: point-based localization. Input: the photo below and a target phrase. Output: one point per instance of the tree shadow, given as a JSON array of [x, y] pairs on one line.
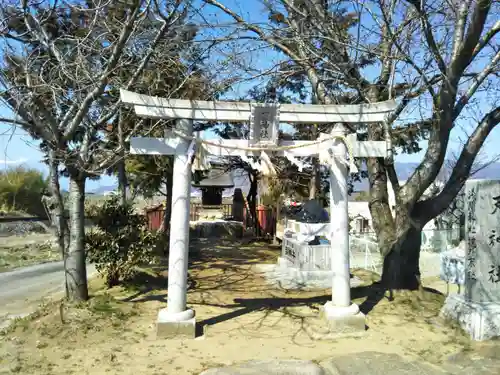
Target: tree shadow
[[243, 306], [143, 282], [228, 261], [378, 292], [230, 280], [433, 291], [375, 294], [228, 257]]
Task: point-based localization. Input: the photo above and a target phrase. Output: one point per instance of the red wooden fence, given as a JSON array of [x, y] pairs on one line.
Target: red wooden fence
[[155, 214], [266, 217]]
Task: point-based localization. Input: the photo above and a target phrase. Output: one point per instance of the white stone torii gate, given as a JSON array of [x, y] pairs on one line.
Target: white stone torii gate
[[177, 320]]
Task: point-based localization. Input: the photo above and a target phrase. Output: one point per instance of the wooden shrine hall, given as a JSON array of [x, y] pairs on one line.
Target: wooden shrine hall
[[213, 185]]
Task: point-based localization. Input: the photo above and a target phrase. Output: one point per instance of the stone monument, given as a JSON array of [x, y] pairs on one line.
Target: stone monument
[[478, 309], [238, 207]]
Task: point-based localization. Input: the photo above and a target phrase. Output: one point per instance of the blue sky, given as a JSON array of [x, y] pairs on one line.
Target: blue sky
[[17, 148]]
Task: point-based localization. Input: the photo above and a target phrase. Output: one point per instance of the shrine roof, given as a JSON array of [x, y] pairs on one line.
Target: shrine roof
[[216, 178]]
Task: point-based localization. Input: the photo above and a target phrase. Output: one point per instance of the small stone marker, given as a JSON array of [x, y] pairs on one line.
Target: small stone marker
[[478, 309]]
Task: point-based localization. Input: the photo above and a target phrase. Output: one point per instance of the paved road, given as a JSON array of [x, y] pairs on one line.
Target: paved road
[[23, 289]]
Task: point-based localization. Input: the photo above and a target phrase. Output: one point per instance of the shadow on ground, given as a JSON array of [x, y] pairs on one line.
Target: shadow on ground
[[232, 262], [245, 306], [222, 273]]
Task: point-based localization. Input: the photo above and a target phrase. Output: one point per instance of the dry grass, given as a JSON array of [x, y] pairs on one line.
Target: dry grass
[[241, 315], [20, 251]]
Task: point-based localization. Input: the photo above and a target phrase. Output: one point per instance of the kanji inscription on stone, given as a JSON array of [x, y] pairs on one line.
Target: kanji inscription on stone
[[482, 233], [264, 124]]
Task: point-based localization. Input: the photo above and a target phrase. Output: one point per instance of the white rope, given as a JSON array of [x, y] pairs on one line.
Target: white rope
[[270, 148]]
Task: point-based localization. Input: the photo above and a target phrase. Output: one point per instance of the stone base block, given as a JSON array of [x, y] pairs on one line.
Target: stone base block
[[344, 319], [480, 320], [176, 330], [178, 326], [216, 229], [289, 275], [346, 324], [304, 276]]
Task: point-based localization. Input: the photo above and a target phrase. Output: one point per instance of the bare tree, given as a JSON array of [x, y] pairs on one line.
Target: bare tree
[[438, 59], [63, 65]]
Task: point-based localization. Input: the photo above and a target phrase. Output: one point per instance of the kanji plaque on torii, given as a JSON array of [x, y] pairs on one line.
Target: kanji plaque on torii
[[264, 124], [177, 319]]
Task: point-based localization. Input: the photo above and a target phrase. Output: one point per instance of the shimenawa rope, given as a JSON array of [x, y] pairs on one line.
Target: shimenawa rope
[[270, 148]]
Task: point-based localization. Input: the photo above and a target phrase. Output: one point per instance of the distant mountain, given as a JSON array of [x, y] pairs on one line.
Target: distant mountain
[[101, 190], [491, 171], [239, 178], [404, 171]]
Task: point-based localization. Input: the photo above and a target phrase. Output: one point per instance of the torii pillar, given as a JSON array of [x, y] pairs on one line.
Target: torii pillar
[[176, 320], [341, 313]]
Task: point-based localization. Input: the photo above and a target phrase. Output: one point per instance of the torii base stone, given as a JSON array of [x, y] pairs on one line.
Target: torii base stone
[[344, 320], [169, 329]]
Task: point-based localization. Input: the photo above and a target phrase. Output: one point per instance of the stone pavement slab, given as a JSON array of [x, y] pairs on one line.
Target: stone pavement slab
[[374, 363], [364, 363], [481, 361], [271, 367]]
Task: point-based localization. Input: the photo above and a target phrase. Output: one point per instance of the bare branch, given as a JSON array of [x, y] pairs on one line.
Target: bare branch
[[431, 41], [135, 76], [271, 40], [478, 80], [472, 38], [82, 108], [486, 39], [460, 28], [13, 121], [462, 168]]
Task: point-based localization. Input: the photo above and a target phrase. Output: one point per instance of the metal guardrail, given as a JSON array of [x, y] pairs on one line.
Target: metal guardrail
[[363, 253], [5, 219], [27, 219], [368, 248]]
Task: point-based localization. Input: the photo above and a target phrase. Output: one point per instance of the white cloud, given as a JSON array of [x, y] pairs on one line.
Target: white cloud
[[10, 162]]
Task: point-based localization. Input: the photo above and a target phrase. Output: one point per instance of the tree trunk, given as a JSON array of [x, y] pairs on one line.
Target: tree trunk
[[122, 173], [122, 181], [401, 265], [58, 216], [75, 266], [252, 200], [165, 225], [399, 237], [55, 205], [315, 182], [279, 205]]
